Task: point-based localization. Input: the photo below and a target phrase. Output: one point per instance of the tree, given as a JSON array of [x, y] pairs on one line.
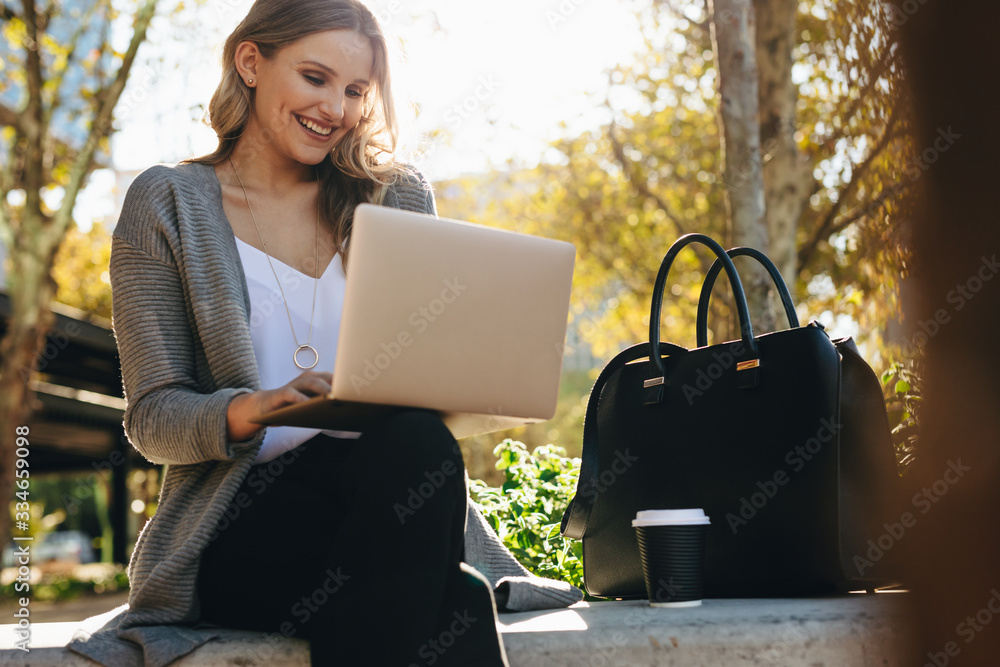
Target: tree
[[855, 120], [733, 27], [787, 174], [835, 153], [37, 163], [80, 270]]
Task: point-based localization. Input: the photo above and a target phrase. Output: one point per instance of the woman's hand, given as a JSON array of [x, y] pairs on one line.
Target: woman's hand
[[247, 407]]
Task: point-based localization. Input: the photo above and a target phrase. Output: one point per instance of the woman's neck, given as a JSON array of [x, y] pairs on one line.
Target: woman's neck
[[260, 169]]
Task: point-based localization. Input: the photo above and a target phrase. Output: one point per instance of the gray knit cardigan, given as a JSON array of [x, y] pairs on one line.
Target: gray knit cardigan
[[181, 320]]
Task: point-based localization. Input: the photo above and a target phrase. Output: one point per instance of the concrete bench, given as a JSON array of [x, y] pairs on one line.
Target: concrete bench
[[864, 630]]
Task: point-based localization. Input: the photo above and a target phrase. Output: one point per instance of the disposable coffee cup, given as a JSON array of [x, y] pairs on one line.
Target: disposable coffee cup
[[672, 549]]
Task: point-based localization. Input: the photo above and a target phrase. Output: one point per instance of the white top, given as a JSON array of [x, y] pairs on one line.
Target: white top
[[273, 342]]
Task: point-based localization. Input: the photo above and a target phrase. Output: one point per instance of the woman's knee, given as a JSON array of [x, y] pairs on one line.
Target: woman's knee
[[417, 449], [416, 436]]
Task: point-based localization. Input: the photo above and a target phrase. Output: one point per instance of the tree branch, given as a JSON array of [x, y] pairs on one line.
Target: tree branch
[[643, 189], [74, 41], [639, 183], [6, 214], [32, 119], [7, 179], [9, 117], [830, 224], [679, 14], [863, 96], [862, 211], [101, 126]]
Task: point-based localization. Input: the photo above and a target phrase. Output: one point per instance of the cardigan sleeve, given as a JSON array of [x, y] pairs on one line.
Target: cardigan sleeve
[[412, 192], [171, 417]]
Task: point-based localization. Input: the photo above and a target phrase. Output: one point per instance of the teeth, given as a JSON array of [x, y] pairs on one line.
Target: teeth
[[314, 127]]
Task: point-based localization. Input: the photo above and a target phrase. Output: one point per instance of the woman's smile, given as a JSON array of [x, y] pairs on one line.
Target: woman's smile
[[314, 127]]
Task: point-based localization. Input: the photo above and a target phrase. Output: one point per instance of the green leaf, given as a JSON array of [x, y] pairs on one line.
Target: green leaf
[[526, 511], [902, 387]]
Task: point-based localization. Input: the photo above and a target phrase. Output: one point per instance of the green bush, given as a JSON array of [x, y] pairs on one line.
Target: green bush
[[904, 389], [527, 509], [91, 579]]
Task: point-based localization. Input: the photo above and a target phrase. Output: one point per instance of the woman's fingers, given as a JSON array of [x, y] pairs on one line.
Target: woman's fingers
[[313, 383], [307, 385], [289, 394], [247, 407], [322, 375]]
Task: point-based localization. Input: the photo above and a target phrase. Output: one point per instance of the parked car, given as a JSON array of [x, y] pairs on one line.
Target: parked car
[[67, 546]]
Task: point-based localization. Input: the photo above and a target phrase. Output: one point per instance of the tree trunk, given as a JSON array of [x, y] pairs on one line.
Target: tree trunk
[[787, 173], [734, 44]]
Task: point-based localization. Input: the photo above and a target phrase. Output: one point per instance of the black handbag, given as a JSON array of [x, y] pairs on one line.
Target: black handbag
[[782, 438]]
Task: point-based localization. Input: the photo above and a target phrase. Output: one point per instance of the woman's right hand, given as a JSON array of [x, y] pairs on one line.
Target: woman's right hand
[[247, 407]]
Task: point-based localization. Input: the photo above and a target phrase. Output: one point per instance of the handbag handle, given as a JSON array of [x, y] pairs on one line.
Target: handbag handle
[[748, 359], [713, 273]]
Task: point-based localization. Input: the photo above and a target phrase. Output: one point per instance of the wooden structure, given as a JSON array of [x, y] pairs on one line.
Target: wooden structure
[[76, 425]]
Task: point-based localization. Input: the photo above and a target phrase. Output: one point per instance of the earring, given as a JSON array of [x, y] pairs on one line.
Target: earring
[[249, 81]]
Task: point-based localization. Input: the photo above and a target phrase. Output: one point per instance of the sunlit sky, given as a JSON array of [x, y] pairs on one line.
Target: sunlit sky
[[498, 78]]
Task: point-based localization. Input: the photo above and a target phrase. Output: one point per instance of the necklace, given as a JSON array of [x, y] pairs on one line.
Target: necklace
[[301, 347]]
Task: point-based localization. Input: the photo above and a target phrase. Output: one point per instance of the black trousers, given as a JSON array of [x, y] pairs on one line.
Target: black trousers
[[356, 545]]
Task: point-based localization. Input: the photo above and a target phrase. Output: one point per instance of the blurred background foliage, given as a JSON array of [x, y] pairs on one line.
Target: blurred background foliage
[[81, 270], [625, 191]]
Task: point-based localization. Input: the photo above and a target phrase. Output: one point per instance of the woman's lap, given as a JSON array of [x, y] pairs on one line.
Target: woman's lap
[[271, 539], [339, 535]]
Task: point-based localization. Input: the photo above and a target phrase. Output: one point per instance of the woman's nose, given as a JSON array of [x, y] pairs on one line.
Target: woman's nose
[[332, 106]]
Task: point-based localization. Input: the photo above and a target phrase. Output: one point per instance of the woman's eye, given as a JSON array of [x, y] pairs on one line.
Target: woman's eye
[[354, 93], [316, 81]]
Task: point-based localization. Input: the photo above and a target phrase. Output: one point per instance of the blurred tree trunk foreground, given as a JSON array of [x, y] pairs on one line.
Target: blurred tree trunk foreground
[[36, 163]]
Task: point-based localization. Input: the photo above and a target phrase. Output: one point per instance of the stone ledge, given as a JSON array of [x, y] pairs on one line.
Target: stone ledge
[[850, 630], [864, 630]]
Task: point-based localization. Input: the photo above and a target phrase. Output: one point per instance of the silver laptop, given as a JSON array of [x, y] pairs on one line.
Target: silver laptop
[[463, 319]]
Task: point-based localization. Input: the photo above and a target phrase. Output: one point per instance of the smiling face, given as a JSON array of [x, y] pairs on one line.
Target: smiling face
[[308, 95]]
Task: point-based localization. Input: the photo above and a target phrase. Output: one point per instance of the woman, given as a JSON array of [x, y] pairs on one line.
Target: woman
[[227, 273]]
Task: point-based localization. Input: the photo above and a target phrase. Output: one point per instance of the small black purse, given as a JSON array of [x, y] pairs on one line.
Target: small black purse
[[781, 438]]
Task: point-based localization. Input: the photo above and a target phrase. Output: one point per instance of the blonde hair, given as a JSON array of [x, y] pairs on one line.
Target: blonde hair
[[363, 165]]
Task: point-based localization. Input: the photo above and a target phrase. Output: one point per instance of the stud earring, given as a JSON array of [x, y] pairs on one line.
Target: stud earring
[[249, 81]]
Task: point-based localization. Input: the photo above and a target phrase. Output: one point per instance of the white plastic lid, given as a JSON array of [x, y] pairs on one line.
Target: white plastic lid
[[686, 517]]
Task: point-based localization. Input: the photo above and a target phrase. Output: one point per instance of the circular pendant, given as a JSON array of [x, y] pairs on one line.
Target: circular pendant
[[315, 359]]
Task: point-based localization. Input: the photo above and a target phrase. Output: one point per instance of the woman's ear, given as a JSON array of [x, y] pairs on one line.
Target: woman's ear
[[247, 58]]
